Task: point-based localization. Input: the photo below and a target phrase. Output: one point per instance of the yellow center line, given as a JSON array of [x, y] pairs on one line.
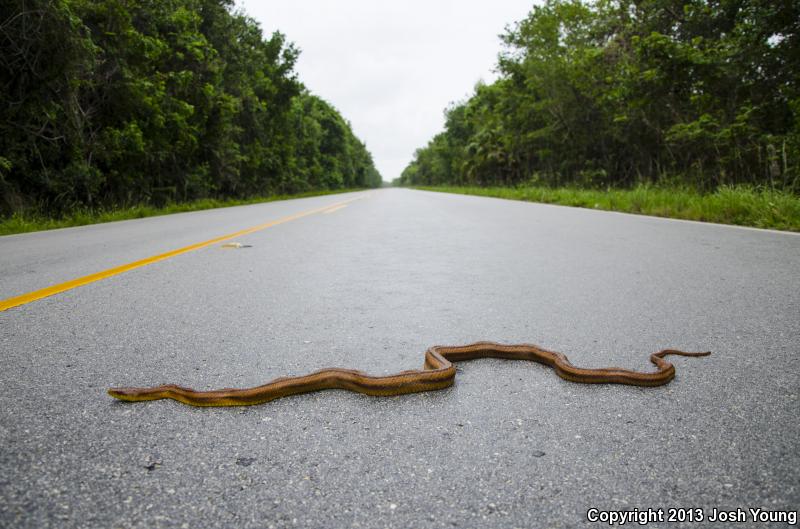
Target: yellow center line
[[97, 276], [337, 208]]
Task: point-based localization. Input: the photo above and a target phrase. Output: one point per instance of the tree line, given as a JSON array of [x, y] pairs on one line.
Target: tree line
[[105, 103], [615, 93]]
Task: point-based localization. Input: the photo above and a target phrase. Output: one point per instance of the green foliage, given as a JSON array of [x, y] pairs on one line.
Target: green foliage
[[112, 104], [27, 221], [742, 205], [328, 156], [621, 92]]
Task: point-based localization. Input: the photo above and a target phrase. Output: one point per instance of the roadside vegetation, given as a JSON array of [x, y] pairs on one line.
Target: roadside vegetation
[[148, 105], [741, 205], [670, 107], [30, 221]]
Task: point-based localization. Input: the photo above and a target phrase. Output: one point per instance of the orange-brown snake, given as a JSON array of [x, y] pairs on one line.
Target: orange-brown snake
[[437, 373]]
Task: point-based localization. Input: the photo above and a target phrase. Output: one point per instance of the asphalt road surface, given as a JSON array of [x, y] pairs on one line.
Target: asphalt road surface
[[370, 286]]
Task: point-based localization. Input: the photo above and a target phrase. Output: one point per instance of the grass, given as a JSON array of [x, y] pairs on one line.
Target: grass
[[27, 222], [743, 206]]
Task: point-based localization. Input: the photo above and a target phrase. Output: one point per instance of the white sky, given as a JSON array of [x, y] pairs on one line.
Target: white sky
[[391, 68]]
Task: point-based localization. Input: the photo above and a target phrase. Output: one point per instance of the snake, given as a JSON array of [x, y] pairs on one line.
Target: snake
[[437, 373]]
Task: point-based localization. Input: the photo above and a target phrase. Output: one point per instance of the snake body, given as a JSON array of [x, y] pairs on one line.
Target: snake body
[[438, 372]]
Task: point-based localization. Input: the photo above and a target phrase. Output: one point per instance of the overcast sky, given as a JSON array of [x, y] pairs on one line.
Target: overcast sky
[[391, 67]]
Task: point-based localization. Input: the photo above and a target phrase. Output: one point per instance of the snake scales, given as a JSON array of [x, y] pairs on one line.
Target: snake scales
[[437, 373]]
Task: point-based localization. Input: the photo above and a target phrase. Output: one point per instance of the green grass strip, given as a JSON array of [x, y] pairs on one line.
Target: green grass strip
[[743, 206], [27, 222]]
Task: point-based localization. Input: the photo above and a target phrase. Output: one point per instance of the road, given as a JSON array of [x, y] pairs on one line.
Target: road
[[370, 285]]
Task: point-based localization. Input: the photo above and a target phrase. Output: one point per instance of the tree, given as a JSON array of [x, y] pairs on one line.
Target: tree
[[620, 92], [109, 103]]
